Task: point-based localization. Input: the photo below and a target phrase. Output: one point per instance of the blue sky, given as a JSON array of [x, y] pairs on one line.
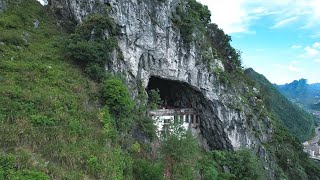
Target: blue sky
[[279, 39]]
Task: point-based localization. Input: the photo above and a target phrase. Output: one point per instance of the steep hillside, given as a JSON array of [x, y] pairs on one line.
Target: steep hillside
[[48, 109], [78, 79], [290, 122], [299, 122]]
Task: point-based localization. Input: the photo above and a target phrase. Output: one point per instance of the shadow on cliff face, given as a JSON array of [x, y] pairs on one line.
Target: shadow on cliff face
[[176, 94]]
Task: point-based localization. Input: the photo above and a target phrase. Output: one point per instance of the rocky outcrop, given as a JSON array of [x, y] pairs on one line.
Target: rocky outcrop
[[2, 5], [152, 46]]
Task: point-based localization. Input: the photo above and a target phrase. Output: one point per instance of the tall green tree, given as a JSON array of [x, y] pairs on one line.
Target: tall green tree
[[180, 153], [116, 96]]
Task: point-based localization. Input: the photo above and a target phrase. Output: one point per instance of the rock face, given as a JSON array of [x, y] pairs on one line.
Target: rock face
[[153, 47], [2, 5]]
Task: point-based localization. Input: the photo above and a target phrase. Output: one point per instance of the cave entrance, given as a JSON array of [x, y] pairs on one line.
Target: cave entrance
[[182, 101], [176, 104], [172, 93]]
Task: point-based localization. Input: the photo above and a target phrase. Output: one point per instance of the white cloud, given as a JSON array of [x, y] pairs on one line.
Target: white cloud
[[282, 73], [293, 68], [235, 16], [229, 15], [316, 45], [259, 10], [296, 46], [284, 22], [311, 52]]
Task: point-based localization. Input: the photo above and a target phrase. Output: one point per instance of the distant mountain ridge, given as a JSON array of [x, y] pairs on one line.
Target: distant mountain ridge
[[296, 119], [299, 91]]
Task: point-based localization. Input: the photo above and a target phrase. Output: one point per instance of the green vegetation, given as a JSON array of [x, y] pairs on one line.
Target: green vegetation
[[221, 42], [193, 21], [189, 16], [62, 116], [298, 121], [183, 159], [242, 164], [154, 98], [180, 152], [292, 162], [9, 170], [91, 45], [48, 107], [116, 96], [289, 123]]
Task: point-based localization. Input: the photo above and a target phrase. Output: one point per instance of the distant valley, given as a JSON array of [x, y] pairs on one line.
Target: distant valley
[[304, 94]]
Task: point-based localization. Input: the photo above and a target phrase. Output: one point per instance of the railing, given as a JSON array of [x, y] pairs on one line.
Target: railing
[[173, 112], [186, 115]]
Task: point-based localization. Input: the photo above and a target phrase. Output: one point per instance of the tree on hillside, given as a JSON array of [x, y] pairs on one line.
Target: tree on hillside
[[180, 153]]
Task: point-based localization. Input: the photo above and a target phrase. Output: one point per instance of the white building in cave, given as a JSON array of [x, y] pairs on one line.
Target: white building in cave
[[165, 117]]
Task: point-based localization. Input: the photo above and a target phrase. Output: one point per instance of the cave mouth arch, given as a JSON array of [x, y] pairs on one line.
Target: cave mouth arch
[[177, 94], [174, 94]]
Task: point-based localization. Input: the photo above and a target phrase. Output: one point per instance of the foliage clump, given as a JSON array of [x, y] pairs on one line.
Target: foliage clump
[[116, 96], [91, 45], [242, 164], [221, 42], [193, 21], [189, 16], [9, 169]]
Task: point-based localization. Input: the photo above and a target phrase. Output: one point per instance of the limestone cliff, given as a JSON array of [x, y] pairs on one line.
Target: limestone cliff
[[2, 5], [153, 47]]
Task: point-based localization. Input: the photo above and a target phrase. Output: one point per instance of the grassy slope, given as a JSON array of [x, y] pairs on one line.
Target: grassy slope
[[298, 121], [45, 111], [289, 122]]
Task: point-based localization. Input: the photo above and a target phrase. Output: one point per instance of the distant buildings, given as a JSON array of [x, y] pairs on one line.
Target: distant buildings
[[313, 149], [316, 113]]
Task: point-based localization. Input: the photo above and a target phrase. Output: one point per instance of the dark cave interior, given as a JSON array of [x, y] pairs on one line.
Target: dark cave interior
[[174, 94], [177, 94]]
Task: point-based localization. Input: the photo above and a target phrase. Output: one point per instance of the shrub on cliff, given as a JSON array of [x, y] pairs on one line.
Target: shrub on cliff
[[221, 42], [91, 44], [116, 96], [9, 170], [190, 16], [242, 164]]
